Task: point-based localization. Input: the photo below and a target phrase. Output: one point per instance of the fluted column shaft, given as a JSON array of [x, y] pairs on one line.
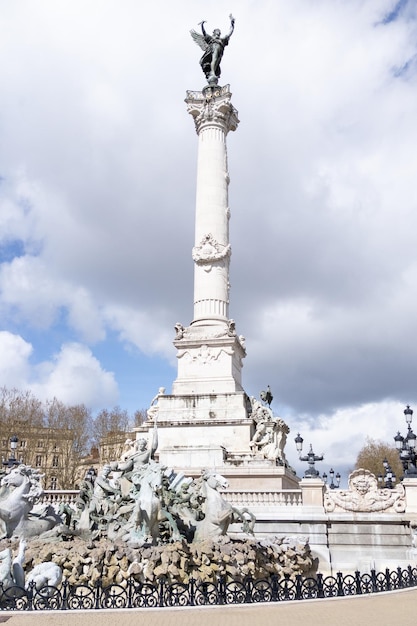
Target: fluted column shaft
[[214, 116]]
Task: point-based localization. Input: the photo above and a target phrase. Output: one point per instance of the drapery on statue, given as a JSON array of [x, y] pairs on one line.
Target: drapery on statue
[[213, 46]]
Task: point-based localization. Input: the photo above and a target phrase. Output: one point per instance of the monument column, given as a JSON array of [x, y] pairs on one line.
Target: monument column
[[208, 420], [214, 116], [209, 351]]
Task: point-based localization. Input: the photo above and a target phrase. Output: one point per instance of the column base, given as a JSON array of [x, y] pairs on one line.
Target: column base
[[210, 361]]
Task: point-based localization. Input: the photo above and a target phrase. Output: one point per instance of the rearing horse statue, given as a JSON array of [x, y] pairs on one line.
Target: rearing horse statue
[[148, 511], [218, 513], [22, 489]]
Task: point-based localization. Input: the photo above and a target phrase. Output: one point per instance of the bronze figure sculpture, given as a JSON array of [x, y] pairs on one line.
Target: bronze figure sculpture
[[213, 46]]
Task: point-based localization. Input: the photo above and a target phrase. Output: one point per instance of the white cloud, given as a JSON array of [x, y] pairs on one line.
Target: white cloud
[[85, 316], [28, 287], [76, 376], [98, 161], [142, 330], [14, 356]]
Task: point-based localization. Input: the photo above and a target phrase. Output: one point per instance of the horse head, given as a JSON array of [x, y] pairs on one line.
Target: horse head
[[16, 477], [214, 480]]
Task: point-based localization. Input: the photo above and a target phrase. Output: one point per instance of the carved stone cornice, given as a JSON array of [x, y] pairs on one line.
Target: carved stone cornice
[[210, 251], [212, 107], [191, 336]]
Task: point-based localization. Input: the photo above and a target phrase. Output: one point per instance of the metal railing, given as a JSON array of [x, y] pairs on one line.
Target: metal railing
[[134, 594]]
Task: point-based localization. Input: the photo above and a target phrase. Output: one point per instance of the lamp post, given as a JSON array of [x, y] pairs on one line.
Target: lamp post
[[90, 475], [389, 477], [406, 446], [11, 461], [333, 485], [310, 458]]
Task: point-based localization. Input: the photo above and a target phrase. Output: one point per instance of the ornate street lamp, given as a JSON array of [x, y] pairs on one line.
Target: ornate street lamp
[[299, 443], [11, 461], [310, 458], [90, 475], [406, 446], [389, 477], [333, 485]]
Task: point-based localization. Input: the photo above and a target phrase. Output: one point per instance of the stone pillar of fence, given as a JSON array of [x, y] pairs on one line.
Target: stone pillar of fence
[[313, 494], [410, 486]]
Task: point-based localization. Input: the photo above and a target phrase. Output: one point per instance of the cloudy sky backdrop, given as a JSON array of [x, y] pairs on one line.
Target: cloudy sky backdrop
[[97, 185]]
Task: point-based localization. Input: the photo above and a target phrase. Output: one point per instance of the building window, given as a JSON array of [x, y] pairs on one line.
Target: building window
[[53, 482], [40, 444], [4, 443], [23, 443], [55, 460], [38, 460]]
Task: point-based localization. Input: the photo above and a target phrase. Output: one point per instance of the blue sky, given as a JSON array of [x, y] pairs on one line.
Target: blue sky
[[97, 171]]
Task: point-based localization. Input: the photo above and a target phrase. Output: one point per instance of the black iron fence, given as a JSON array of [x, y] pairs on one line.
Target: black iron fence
[[134, 594]]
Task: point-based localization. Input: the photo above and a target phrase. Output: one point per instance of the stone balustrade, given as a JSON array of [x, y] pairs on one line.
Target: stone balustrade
[[59, 496], [285, 497], [241, 498]]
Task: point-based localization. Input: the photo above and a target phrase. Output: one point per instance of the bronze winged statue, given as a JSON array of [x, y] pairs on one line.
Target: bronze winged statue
[[213, 46]]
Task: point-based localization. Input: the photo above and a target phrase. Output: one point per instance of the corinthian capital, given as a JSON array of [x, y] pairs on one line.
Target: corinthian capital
[[212, 107]]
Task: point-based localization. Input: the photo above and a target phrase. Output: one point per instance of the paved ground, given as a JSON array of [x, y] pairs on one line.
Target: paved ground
[[385, 609]]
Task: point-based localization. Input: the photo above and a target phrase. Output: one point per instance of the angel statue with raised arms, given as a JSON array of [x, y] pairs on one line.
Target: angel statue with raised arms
[[213, 46]]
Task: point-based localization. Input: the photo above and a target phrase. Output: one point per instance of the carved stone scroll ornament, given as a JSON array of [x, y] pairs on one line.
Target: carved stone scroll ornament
[[210, 251], [363, 496], [214, 332], [179, 331], [231, 328], [206, 355]]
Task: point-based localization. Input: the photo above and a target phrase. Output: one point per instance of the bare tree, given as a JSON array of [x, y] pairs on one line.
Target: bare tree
[[139, 417], [56, 437], [21, 414], [70, 428], [111, 429], [52, 436], [372, 455], [20, 407]]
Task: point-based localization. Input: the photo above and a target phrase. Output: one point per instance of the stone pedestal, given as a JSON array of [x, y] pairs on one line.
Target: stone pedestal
[[196, 430], [410, 486], [208, 364], [313, 494]]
